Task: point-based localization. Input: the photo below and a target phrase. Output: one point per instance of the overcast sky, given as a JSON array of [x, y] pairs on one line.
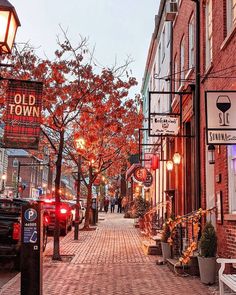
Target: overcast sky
[[117, 28]]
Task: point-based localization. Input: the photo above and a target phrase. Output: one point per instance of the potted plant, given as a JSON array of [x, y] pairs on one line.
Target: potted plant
[[165, 246], [207, 257]]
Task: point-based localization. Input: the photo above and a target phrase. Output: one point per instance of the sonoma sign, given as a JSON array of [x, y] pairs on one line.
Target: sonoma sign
[[22, 117]]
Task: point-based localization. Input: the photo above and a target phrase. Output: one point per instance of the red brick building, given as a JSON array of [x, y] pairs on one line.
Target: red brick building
[[217, 72], [33, 177]]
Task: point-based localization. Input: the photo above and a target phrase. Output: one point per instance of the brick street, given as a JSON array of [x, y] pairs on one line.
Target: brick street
[[109, 260]]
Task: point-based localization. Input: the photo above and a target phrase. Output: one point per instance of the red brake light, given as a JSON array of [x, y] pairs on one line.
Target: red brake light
[[16, 231], [63, 210]]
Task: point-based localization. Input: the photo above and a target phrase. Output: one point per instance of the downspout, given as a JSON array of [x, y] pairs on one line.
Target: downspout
[[196, 104]]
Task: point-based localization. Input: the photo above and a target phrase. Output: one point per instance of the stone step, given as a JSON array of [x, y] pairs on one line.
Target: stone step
[[191, 268], [150, 248], [176, 267]]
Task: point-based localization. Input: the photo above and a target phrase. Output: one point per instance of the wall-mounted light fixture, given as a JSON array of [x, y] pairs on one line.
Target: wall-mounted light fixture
[[211, 154], [169, 165], [175, 160]]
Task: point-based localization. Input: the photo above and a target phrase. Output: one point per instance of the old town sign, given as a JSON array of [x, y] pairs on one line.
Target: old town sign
[[220, 117], [22, 116]]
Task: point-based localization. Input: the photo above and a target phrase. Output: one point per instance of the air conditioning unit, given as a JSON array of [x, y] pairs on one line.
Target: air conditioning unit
[[171, 10]]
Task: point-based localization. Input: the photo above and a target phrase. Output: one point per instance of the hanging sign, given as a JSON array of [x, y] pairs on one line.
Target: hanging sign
[[164, 125], [220, 117], [140, 174], [22, 117], [149, 180]]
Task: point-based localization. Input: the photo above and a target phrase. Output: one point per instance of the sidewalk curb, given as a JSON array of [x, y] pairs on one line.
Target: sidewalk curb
[[9, 283]]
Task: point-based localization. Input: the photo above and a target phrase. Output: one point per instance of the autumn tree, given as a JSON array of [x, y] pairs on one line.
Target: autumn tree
[[77, 94], [109, 128]]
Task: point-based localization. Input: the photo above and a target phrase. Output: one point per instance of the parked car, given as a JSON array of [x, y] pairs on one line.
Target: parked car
[[72, 204], [65, 216], [10, 228]]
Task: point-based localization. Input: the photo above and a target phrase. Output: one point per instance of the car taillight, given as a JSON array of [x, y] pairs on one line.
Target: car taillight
[[63, 210], [16, 231]]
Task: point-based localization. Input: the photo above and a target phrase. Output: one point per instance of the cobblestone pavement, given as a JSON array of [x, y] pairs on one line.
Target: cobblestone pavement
[[108, 261]]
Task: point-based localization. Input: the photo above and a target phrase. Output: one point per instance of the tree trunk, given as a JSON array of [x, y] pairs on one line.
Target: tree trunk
[[88, 209], [56, 241]]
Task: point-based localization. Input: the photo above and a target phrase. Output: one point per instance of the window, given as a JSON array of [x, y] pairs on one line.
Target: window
[[163, 45], [159, 58], [191, 42], [176, 74], [182, 74], [232, 177], [231, 15], [208, 17]]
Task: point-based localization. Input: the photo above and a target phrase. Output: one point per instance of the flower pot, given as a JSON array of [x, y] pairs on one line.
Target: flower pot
[[207, 269], [166, 250]]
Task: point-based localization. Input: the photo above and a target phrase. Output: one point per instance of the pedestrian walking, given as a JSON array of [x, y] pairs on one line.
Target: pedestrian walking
[[106, 204], [119, 202], [113, 203]]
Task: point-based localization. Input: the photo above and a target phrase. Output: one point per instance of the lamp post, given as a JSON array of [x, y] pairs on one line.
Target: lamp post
[[9, 24], [4, 177], [80, 145], [196, 105]]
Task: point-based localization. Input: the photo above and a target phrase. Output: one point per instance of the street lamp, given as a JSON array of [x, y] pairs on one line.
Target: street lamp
[[80, 145], [4, 177], [9, 23]]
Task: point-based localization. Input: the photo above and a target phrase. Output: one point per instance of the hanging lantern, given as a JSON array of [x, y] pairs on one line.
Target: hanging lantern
[[211, 154], [169, 165], [155, 162]]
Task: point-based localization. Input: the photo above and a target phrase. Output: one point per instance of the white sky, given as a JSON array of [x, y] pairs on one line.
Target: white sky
[[117, 28]]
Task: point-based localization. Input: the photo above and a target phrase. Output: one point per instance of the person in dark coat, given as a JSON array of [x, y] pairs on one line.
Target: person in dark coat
[[106, 204], [119, 202]]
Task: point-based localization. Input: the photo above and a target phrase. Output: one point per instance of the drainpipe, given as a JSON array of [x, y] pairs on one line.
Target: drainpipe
[[197, 174]]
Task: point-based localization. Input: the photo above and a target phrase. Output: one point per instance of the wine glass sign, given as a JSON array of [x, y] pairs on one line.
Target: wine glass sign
[[223, 104], [220, 117]]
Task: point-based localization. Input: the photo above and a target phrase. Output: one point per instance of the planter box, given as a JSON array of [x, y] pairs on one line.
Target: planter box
[[166, 250], [207, 269]]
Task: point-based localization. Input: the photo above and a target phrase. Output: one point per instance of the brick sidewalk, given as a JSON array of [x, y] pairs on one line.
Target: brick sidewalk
[[108, 261]]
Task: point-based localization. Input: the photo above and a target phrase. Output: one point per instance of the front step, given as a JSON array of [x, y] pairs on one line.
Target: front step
[[191, 268], [151, 248], [175, 266]]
